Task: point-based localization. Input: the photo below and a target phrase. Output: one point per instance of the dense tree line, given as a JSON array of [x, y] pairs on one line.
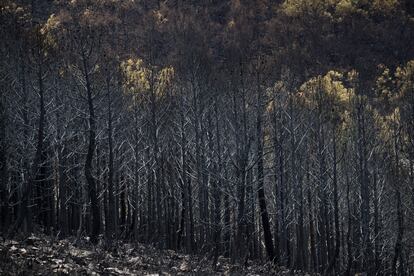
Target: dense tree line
[[270, 130]]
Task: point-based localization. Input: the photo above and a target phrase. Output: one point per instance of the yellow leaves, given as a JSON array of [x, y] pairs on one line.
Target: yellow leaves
[[47, 29], [87, 13], [97, 18], [159, 17], [51, 30], [51, 23], [164, 79], [337, 9], [388, 123], [327, 96], [231, 24], [407, 71], [396, 93], [141, 80], [80, 13], [346, 121], [137, 76], [384, 6], [393, 99], [396, 89], [11, 10], [61, 72], [316, 7], [345, 7], [384, 88], [296, 7], [334, 88], [394, 117], [352, 76], [54, 26], [326, 90], [405, 80]]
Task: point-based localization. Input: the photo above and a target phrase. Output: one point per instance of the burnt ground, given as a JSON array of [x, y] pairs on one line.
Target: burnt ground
[[43, 255]]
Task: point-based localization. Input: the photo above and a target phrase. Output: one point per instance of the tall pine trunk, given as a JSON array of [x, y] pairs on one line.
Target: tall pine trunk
[[96, 220], [260, 179]]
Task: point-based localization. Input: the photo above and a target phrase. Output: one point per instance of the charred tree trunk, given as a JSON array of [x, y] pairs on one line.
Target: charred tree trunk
[[398, 248], [110, 224], [25, 212], [260, 179], [333, 263], [216, 189], [96, 220], [4, 191]]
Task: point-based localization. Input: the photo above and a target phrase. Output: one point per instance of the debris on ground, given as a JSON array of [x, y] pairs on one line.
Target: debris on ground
[[42, 255]]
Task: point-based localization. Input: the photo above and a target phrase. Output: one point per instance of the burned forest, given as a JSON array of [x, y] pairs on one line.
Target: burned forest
[[210, 137]]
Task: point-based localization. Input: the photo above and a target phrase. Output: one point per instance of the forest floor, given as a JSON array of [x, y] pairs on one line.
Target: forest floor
[[43, 255]]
